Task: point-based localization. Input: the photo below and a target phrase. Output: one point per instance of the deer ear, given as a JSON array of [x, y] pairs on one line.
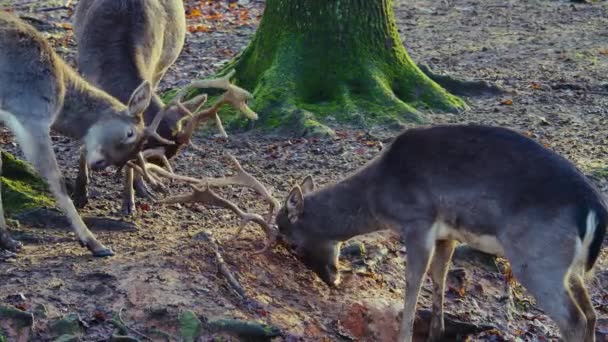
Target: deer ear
[[295, 203], [307, 185], [140, 99]]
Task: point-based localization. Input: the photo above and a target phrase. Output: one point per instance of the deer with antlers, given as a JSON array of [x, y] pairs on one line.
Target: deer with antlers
[[124, 42], [490, 187], [39, 92]]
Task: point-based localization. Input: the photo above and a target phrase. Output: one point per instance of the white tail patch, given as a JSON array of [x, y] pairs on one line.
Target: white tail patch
[[582, 245]]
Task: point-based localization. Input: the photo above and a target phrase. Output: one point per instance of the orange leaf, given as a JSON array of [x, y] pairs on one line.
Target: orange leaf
[[535, 85], [195, 13], [233, 5], [506, 102], [199, 28]]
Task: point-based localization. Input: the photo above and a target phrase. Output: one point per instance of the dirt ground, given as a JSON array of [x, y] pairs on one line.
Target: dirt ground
[[552, 56]]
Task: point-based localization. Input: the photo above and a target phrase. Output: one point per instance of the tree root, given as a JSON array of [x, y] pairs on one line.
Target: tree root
[[462, 87], [245, 330], [455, 330]]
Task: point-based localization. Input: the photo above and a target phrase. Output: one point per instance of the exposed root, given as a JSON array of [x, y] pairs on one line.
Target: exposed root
[[462, 87]]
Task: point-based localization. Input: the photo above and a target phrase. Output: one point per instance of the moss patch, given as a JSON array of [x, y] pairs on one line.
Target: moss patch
[[22, 187]]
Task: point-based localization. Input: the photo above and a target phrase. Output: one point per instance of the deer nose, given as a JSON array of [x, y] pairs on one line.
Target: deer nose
[[99, 165]]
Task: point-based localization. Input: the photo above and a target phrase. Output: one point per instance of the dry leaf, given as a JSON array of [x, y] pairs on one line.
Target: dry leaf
[[195, 13], [506, 102], [199, 28]]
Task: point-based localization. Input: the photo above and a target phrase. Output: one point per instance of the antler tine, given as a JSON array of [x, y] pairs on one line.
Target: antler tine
[[234, 95], [205, 195], [243, 178], [143, 171], [220, 82]]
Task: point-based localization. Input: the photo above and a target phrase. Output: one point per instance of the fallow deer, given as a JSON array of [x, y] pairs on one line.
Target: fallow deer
[[39, 92], [492, 188], [122, 43]]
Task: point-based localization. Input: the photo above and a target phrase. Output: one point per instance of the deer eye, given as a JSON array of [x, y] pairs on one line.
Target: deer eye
[[130, 134]]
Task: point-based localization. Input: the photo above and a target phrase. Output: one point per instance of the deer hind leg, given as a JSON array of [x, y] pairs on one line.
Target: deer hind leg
[[545, 276], [35, 142], [81, 195], [580, 294], [5, 240], [142, 190], [128, 194], [418, 256], [438, 272]]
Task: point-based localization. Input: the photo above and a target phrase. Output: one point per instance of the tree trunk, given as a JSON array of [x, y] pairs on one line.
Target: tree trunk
[[343, 59], [22, 187]]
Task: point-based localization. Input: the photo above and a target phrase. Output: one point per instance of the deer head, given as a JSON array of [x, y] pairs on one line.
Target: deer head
[[116, 139], [294, 222]]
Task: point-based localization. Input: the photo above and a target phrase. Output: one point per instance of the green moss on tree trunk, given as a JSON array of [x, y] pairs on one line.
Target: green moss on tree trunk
[[312, 59], [22, 187]]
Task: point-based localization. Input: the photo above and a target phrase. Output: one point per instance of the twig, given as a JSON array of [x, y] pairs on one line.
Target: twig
[[130, 328], [223, 267], [51, 9]]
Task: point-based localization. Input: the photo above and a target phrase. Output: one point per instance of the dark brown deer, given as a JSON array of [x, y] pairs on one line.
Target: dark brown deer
[[122, 43], [489, 187], [40, 92]]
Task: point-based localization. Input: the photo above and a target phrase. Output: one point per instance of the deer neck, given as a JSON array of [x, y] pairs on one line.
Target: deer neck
[[83, 106], [344, 210]]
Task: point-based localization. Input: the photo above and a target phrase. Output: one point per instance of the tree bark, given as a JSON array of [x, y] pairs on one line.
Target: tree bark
[[314, 60]]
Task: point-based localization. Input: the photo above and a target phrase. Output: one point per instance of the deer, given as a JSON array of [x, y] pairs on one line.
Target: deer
[[122, 43], [40, 93], [492, 188]]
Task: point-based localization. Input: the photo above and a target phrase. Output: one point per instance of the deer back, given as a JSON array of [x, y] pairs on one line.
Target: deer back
[[123, 42], [31, 74]]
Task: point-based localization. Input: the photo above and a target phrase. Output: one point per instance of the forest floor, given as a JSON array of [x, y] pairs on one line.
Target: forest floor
[[552, 56]]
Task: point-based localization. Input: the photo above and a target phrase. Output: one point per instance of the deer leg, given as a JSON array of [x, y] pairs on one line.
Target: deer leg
[[128, 195], [36, 143], [438, 272], [5, 240], [580, 294], [142, 190], [417, 259], [80, 195], [544, 275]]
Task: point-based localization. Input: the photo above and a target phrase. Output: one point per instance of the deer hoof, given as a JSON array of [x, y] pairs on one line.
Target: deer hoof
[[10, 245], [128, 208], [80, 200], [98, 250]]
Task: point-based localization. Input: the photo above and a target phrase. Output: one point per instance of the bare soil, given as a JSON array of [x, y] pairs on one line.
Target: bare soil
[[552, 57]]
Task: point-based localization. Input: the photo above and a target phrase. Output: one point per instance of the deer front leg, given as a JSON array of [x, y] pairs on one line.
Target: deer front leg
[[438, 272], [5, 240], [80, 194], [417, 260], [128, 195], [36, 143]]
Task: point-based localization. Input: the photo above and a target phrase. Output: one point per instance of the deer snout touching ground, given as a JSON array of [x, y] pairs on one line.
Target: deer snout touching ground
[[490, 187]]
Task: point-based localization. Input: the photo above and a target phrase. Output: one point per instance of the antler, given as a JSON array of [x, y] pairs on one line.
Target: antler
[[234, 95], [151, 172], [150, 130], [203, 194]]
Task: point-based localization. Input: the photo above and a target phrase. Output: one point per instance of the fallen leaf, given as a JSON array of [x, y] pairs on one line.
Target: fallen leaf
[[535, 85], [506, 102], [194, 13], [199, 28]]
